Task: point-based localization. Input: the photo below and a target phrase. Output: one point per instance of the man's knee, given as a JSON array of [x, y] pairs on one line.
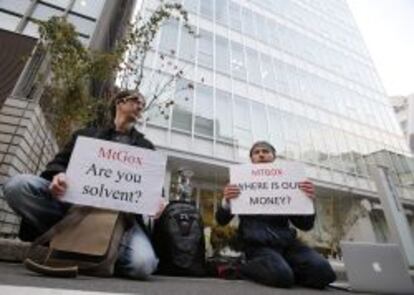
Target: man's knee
[[326, 273], [320, 274], [269, 271], [15, 189], [142, 265]]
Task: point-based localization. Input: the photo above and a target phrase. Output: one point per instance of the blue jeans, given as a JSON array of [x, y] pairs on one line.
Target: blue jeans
[[29, 196], [297, 263]]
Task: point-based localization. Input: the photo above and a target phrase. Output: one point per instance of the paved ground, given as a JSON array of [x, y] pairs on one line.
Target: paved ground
[[16, 280]]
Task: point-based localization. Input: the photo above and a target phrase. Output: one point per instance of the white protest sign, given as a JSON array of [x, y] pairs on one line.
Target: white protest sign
[[270, 189], [116, 176]]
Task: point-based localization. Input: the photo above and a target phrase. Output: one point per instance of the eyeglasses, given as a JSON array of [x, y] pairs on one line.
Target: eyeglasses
[[134, 98]]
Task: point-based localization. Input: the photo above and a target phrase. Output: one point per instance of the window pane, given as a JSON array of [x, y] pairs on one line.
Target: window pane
[[82, 25], [221, 11], [224, 115], [206, 9], [222, 55], [204, 123], [248, 24], [61, 3], [276, 131], [187, 45], [253, 66], [8, 21], [242, 125], [261, 27], [205, 49], [19, 6], [259, 121], [31, 29], [191, 5], [169, 32], [267, 71], [235, 22], [182, 112], [90, 8], [238, 66], [151, 82], [43, 12]]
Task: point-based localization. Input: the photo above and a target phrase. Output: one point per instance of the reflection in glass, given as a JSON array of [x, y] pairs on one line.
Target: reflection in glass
[[235, 21], [238, 66], [204, 123], [267, 71], [248, 23], [169, 35], [82, 25], [277, 137], [60, 3], [150, 82], [224, 116], [221, 9], [259, 121], [183, 106], [222, 55], [8, 21], [253, 67], [43, 12], [206, 9], [191, 5], [31, 29], [205, 49], [91, 8], [19, 6], [242, 122], [187, 45]]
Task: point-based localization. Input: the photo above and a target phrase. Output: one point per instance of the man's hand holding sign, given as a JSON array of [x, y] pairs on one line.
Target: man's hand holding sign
[[115, 176], [270, 189]]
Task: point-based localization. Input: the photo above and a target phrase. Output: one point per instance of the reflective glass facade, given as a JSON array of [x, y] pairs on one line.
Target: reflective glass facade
[[293, 72], [18, 16]]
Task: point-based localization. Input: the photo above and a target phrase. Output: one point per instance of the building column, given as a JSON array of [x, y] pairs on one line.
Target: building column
[[26, 146]]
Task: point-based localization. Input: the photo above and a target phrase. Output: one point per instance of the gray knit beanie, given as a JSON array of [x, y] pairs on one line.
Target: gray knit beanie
[[265, 144]]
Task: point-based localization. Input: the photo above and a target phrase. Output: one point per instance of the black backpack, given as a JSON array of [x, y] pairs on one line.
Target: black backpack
[[178, 239]]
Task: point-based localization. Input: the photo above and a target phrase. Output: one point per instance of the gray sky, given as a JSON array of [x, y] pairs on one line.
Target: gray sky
[[387, 27]]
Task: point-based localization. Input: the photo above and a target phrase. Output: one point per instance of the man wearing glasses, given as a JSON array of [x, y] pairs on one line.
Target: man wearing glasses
[[37, 199], [274, 256]]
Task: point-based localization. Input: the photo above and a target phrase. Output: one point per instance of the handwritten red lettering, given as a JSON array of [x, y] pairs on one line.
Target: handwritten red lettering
[[267, 172], [121, 156]]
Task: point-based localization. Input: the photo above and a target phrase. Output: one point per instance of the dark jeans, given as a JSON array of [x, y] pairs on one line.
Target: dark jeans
[[284, 267]]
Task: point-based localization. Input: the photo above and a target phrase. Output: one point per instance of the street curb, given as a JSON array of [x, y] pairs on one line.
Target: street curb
[[14, 250]]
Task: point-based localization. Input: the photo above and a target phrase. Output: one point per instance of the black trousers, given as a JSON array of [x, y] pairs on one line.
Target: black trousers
[[294, 264]]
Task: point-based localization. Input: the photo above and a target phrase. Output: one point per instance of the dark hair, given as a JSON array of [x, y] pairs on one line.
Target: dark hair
[[263, 143], [117, 98]]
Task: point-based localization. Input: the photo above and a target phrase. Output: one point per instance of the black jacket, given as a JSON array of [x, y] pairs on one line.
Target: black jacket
[[267, 230], [61, 160]]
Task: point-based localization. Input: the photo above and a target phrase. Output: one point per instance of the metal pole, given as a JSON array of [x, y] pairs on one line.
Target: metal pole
[[394, 211]]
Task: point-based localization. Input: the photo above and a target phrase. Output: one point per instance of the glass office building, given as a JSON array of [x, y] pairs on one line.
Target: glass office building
[[294, 72], [20, 16]]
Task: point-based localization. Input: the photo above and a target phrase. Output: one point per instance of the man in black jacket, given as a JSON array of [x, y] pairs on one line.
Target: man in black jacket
[[274, 255], [37, 199]]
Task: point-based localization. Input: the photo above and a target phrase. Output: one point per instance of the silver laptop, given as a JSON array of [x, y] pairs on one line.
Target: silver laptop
[[378, 268]]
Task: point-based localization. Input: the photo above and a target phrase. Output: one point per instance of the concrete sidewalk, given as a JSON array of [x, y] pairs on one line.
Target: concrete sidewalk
[[16, 280]]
